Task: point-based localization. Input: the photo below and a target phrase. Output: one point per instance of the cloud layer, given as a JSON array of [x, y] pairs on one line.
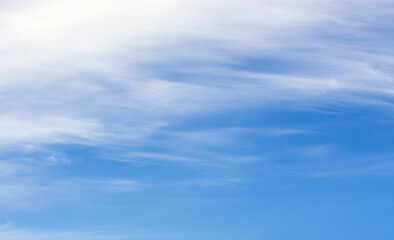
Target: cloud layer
[[119, 79]]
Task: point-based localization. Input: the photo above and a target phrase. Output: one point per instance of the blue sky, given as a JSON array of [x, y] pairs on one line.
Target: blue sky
[[189, 119]]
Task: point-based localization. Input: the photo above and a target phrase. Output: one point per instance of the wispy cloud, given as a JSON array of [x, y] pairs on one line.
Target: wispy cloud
[[120, 77], [35, 235], [101, 185], [380, 165], [94, 63]]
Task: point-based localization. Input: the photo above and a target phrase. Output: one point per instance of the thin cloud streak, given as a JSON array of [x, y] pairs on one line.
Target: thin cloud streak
[[35, 235]]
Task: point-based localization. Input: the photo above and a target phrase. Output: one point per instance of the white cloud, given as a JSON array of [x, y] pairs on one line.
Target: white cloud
[[108, 73], [71, 69], [45, 129]]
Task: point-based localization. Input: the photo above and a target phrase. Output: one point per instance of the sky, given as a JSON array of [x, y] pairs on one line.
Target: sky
[[196, 119]]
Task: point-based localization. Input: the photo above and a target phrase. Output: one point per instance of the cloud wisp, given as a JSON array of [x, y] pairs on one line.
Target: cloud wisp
[[111, 98], [89, 65]]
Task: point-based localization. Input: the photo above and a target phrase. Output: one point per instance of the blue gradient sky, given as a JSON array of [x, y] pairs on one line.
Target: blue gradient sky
[[196, 120]]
